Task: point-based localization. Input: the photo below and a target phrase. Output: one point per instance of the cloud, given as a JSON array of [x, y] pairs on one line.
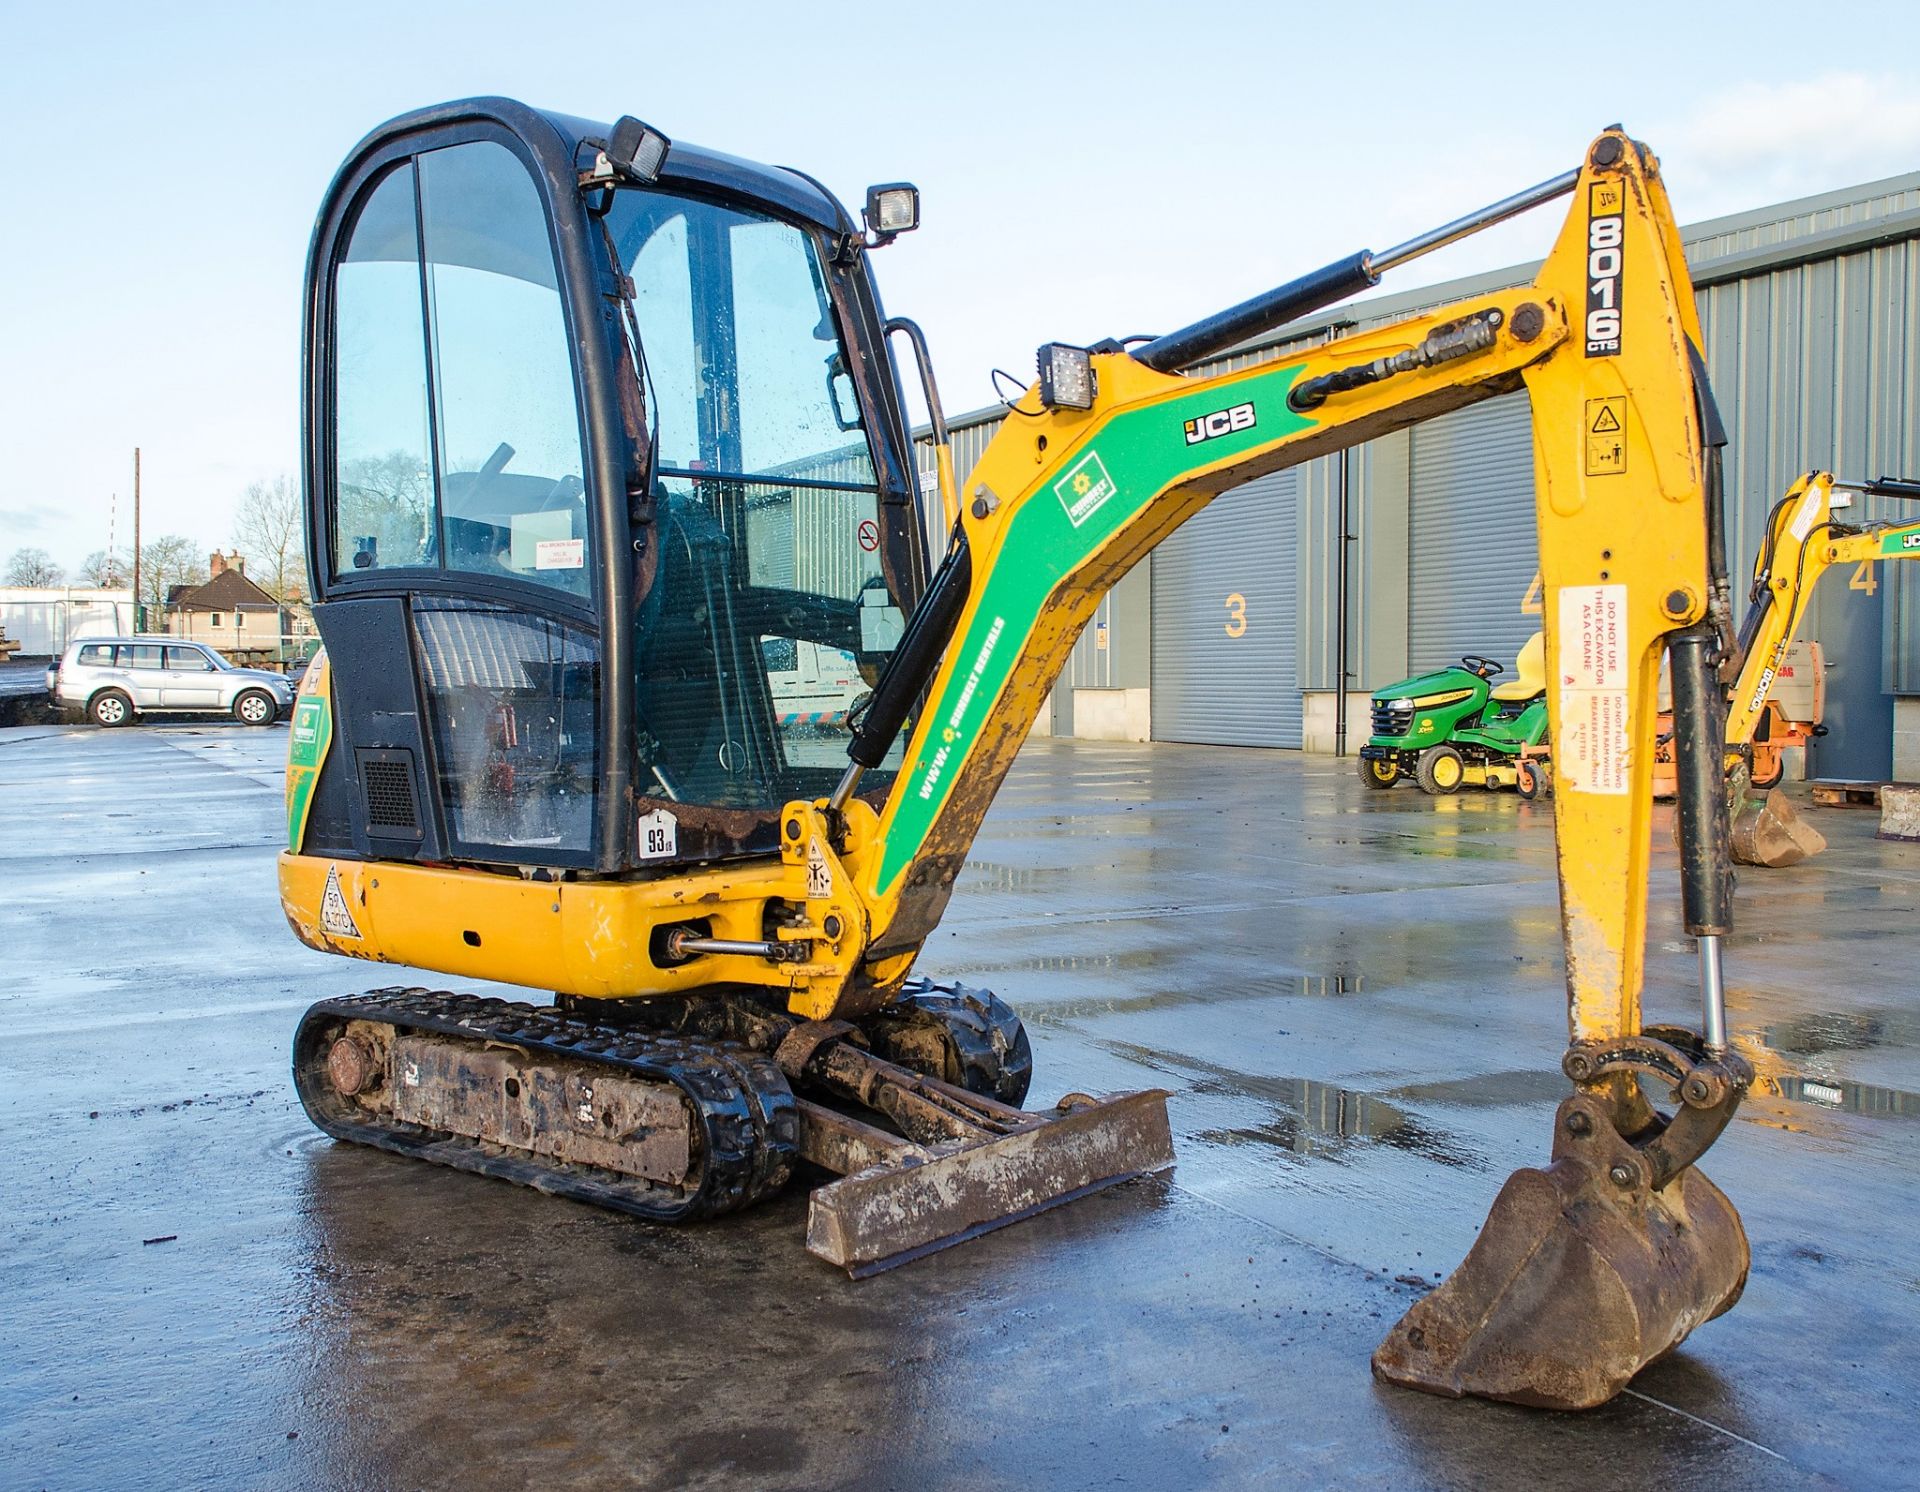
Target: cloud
[[1756, 142], [21, 521]]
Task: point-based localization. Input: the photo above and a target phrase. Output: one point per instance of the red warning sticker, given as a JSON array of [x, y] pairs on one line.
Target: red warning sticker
[[1591, 642]]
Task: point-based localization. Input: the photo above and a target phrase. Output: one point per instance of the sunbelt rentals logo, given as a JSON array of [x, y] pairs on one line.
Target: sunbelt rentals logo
[[1085, 488]]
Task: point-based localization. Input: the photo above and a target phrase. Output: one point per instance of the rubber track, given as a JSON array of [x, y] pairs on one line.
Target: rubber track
[[744, 1147]]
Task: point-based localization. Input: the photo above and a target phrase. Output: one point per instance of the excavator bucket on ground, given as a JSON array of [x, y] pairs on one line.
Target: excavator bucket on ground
[[1769, 831], [1584, 1273]]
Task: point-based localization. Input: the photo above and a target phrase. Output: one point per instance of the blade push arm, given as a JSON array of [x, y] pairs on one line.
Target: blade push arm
[[1064, 502]]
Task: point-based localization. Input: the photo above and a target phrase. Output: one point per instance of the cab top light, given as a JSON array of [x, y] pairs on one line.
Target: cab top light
[[1066, 376], [637, 150], [892, 209]]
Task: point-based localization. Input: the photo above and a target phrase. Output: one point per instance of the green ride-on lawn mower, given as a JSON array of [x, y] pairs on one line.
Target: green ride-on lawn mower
[[1456, 727]]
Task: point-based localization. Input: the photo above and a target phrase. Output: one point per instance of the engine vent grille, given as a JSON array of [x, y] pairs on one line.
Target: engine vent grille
[[386, 780]]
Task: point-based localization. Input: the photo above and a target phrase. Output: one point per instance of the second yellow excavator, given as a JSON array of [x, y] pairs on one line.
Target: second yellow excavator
[[601, 428]]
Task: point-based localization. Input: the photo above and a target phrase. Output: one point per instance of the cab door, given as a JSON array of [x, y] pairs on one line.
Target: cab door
[[458, 548]]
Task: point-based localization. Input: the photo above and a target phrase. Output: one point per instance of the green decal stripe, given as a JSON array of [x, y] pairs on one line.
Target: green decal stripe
[[1901, 541], [310, 733], [1138, 455]]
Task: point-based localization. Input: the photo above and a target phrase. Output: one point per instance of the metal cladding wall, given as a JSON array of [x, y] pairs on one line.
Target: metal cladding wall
[[1226, 648], [1816, 363], [1811, 317], [1472, 543]]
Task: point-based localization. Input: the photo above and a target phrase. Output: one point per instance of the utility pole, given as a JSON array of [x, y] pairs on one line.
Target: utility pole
[[136, 540]]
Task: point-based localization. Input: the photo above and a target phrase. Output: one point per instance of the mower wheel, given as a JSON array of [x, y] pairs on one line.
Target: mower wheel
[[1378, 773], [1528, 780], [1441, 770]]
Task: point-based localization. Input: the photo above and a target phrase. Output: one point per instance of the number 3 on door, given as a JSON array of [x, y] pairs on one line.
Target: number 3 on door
[[1236, 625]]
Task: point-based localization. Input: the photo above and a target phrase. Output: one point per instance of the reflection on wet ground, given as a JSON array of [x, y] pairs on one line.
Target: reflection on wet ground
[[1203, 920], [1313, 1119], [1844, 1031]]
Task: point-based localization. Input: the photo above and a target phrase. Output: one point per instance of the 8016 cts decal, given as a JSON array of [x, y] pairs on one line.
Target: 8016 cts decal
[[1606, 228]]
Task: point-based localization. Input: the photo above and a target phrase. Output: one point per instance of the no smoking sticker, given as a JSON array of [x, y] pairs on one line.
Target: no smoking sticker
[[869, 532]]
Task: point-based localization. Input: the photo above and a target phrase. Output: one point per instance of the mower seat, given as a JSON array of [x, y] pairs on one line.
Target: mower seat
[[1530, 673]]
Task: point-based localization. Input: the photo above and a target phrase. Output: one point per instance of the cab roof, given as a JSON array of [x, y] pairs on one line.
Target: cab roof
[[788, 191]]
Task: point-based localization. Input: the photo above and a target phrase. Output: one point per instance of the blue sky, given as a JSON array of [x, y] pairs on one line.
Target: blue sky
[[1086, 170]]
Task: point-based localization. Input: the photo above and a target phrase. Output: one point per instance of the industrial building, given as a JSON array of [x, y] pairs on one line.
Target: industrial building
[[1236, 630]]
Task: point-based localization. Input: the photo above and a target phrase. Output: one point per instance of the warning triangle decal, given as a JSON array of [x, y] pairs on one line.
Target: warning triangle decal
[[1607, 422], [335, 918]]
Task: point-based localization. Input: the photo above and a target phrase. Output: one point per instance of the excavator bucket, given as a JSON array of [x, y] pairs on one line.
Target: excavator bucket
[[1769, 831], [1583, 1274]]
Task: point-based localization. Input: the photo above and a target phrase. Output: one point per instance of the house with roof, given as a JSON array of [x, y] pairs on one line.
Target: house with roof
[[231, 613]]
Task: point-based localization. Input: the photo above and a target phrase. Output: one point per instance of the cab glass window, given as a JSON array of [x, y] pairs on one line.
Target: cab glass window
[[767, 615], [383, 471], [512, 494]]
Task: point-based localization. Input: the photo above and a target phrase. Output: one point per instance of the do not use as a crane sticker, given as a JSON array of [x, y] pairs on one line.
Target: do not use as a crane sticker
[[1591, 754]]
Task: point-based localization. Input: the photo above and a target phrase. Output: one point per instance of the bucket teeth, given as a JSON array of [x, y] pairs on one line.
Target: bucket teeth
[[1581, 1277]]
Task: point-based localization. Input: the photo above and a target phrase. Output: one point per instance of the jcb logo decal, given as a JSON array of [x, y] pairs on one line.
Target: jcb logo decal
[[1220, 422], [1606, 227]]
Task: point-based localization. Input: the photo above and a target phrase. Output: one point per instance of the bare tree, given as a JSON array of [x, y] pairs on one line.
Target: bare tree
[[165, 562], [267, 530], [388, 500], [110, 572], [33, 567]]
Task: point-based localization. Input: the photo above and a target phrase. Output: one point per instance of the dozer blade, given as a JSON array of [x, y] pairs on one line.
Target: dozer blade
[[917, 1200], [1582, 1276], [1769, 831], [956, 1163]]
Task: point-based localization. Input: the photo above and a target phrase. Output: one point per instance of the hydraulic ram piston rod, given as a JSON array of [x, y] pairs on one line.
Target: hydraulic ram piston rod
[[1330, 284]]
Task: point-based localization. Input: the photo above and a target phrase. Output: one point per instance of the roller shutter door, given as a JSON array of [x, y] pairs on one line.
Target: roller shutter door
[[1472, 546], [1226, 656]]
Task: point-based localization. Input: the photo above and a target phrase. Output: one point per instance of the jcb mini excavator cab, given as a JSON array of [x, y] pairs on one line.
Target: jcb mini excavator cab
[[601, 432]]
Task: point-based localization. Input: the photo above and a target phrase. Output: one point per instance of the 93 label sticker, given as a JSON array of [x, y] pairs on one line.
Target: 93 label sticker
[[658, 836]]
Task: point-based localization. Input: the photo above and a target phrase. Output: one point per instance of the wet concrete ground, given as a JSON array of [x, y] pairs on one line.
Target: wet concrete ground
[[1354, 996]]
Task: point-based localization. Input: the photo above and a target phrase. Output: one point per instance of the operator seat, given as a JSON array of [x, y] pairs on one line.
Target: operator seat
[[1530, 673]]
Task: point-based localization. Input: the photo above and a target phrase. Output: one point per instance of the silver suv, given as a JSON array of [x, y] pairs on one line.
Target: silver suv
[[116, 679]]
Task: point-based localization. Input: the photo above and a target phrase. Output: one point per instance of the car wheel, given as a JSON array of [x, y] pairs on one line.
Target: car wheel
[[1375, 773], [255, 707], [110, 708], [1441, 770]]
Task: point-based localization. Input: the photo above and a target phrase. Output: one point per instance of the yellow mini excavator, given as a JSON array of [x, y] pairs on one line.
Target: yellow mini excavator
[[603, 429], [1804, 537]]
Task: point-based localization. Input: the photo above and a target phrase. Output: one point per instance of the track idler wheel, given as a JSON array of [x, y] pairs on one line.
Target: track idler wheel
[[1592, 1268], [960, 1035]]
